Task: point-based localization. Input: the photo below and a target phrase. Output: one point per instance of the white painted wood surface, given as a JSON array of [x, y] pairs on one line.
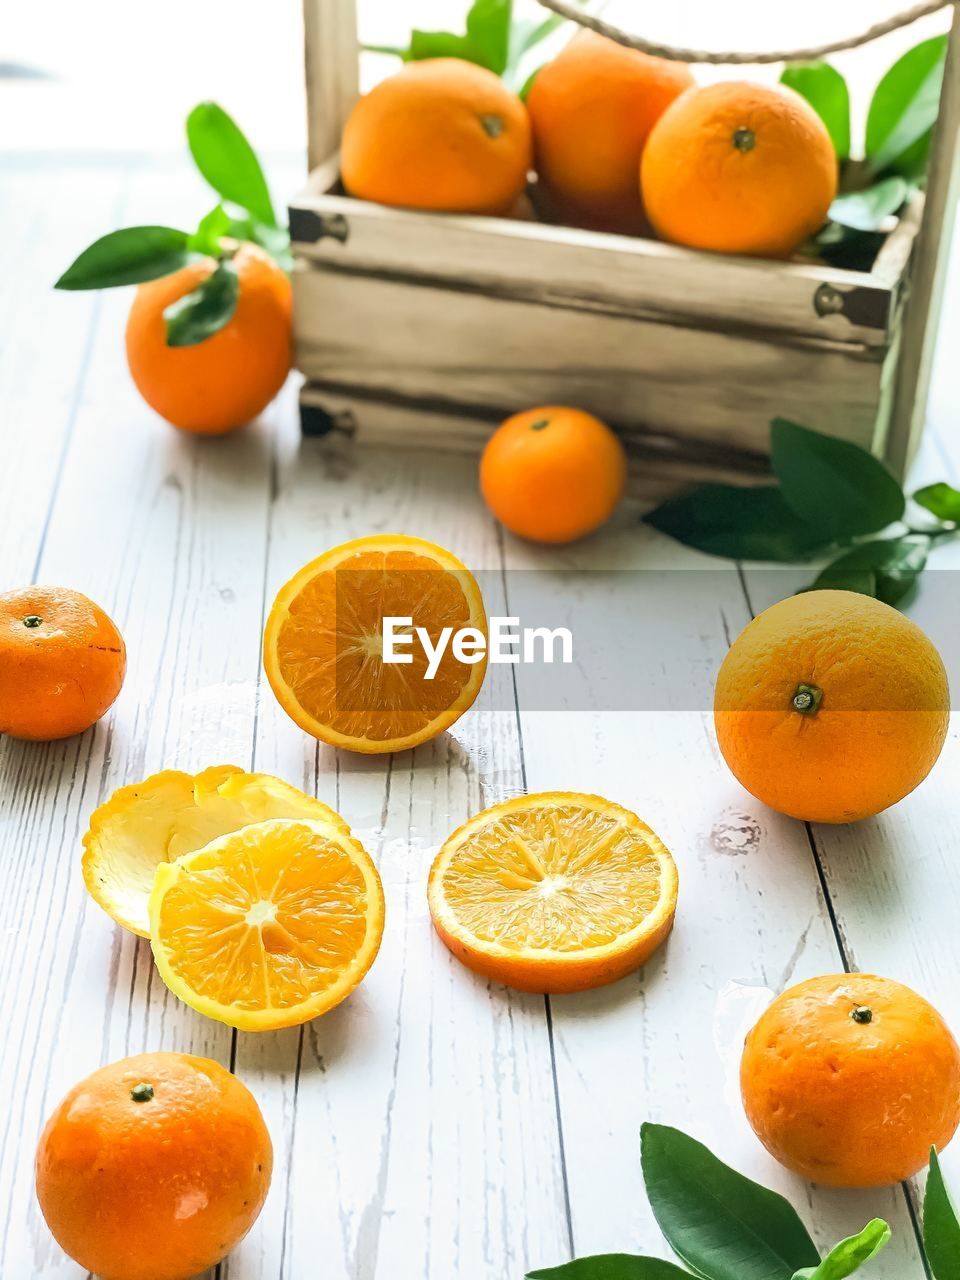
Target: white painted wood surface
[[434, 1125]]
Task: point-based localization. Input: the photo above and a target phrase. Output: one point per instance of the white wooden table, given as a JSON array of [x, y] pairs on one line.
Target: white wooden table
[[434, 1125]]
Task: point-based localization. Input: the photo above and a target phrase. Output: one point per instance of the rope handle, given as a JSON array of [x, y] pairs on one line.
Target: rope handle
[[567, 9]]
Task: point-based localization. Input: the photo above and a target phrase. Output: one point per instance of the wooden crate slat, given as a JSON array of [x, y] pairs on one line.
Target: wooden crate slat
[[630, 274], [476, 350], [346, 420], [929, 268], [331, 66]]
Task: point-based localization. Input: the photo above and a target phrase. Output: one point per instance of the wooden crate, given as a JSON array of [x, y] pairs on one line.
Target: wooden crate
[[428, 329]]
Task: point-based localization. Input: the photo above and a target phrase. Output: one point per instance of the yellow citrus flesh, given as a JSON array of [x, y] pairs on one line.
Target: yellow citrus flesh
[[268, 926], [323, 644], [173, 813], [554, 892]]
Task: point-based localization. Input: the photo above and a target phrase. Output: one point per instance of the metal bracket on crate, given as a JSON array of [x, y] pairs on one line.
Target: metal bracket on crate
[[307, 226], [316, 421], [858, 305]]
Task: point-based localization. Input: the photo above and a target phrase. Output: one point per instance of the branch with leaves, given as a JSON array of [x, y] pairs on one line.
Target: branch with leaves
[[896, 145], [831, 496], [723, 1226], [495, 37], [720, 1225], [245, 212]]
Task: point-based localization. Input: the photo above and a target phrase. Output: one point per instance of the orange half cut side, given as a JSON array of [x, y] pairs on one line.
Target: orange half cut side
[[323, 644], [269, 926], [554, 892]]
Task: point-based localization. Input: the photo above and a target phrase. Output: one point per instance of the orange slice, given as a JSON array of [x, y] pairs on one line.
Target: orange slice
[[323, 644], [268, 926], [173, 813], [553, 892]]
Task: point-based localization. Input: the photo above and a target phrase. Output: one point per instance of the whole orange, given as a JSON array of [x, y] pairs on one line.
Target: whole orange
[[62, 663], [553, 474], [831, 706], [592, 109], [154, 1168], [442, 134], [739, 168], [849, 1080], [227, 379]]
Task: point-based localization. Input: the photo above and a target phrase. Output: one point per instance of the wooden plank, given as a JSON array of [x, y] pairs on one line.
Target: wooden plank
[[929, 267], [564, 266], [168, 534], [41, 382], [664, 1045], [418, 1120], [659, 467], [469, 350], [331, 69]]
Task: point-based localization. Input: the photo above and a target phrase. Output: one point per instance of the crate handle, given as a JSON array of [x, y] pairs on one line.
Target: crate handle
[[569, 10]]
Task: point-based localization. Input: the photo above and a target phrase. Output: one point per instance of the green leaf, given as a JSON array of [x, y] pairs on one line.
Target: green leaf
[[488, 30], [826, 91], [904, 108], [718, 1222], [205, 311], [524, 90], [228, 162], [487, 39], [844, 247], [867, 210], [942, 500], [886, 569], [612, 1266], [210, 231], [442, 44], [527, 33], [941, 1226], [833, 485], [393, 50], [129, 256], [739, 523], [850, 1255], [276, 240]]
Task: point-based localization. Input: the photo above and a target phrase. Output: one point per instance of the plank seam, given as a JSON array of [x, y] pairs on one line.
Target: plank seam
[[548, 1011]]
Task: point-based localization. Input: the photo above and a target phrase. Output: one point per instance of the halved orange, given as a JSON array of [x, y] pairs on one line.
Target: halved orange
[[323, 643], [173, 813], [268, 926], [553, 892]]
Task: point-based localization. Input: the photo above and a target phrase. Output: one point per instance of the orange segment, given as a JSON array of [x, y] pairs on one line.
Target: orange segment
[[323, 644], [173, 813], [553, 892], [269, 926]]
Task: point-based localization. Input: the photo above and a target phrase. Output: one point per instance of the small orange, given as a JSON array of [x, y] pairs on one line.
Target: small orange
[[62, 663], [592, 109], [739, 168], [554, 892], [324, 641], [553, 474], [442, 134], [831, 706], [849, 1080], [154, 1167], [227, 379]]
